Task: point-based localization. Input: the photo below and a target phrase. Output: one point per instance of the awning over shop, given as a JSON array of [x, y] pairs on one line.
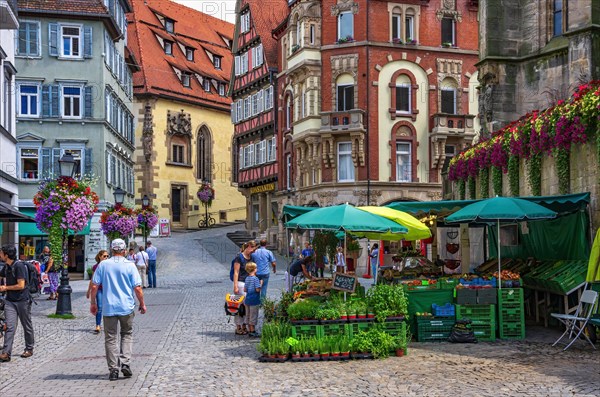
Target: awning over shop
[[561, 204], [10, 214], [30, 229]]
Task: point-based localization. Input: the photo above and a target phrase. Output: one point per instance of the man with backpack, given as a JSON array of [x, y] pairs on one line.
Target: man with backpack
[[18, 302]]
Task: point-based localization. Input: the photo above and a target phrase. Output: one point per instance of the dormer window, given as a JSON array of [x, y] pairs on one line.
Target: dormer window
[[168, 48], [217, 62], [206, 84], [169, 25], [185, 79], [222, 89], [189, 53]]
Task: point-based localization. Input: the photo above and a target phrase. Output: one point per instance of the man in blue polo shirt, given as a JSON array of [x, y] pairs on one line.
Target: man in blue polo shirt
[[120, 279], [151, 251], [263, 258]]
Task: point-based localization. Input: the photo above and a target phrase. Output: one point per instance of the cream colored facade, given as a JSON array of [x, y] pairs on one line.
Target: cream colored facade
[[172, 185]]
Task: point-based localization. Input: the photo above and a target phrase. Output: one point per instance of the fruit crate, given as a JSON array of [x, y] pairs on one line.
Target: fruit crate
[[510, 296], [447, 283], [487, 296], [299, 331], [394, 328], [466, 296], [485, 333], [478, 314], [446, 310], [352, 329], [512, 330], [430, 330], [333, 329], [434, 321]]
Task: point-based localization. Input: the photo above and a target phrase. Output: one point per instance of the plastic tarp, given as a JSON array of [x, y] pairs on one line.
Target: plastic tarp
[[551, 239]]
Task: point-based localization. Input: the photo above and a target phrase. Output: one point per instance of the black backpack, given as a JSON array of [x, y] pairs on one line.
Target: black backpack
[[33, 283]]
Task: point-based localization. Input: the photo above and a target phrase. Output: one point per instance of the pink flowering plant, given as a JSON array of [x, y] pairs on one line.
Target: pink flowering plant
[[552, 132], [206, 194], [118, 222], [63, 205]]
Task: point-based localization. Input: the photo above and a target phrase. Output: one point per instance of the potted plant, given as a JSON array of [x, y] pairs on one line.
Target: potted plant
[[402, 342], [282, 349], [397, 40], [344, 346], [295, 48], [361, 309], [335, 346], [446, 44], [387, 301], [347, 39], [370, 312], [351, 310], [324, 349]]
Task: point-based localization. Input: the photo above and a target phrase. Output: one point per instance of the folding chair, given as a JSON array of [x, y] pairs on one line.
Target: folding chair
[[577, 322]]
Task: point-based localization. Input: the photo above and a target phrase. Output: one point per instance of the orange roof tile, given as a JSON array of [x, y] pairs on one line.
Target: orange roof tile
[[192, 29], [266, 15], [70, 6]]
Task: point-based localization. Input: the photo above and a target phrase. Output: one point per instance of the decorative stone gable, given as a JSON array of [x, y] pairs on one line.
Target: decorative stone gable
[[449, 68], [344, 5], [448, 10]]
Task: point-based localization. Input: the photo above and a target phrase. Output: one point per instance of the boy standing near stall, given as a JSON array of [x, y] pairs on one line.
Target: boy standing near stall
[[252, 288]]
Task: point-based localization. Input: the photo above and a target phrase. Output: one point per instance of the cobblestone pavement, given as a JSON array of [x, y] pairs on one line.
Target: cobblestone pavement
[[184, 346]]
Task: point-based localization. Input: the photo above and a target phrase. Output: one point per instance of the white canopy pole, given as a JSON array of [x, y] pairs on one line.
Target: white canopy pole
[[499, 259]]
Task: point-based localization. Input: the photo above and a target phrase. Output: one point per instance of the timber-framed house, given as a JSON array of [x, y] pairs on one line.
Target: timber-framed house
[[254, 146]]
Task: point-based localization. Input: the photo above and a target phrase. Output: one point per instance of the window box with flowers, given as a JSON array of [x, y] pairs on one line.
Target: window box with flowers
[[447, 44], [347, 39], [295, 48]]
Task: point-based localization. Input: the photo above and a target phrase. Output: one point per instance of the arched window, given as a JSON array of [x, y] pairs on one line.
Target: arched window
[[204, 147], [344, 92], [288, 112], [449, 102], [404, 160], [403, 94]]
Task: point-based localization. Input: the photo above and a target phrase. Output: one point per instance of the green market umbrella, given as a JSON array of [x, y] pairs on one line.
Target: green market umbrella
[[500, 209], [417, 230]]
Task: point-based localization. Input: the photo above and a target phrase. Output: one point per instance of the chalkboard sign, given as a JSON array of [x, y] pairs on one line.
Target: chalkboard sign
[[344, 282]]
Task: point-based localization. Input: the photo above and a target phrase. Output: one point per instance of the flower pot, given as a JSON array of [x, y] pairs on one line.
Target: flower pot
[[324, 355], [371, 315], [399, 352], [297, 355], [362, 316], [344, 317], [345, 354], [352, 317], [282, 356], [335, 354]]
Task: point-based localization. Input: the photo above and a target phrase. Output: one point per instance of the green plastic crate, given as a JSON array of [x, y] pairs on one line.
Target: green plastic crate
[[485, 333], [333, 329], [394, 328], [430, 331], [478, 314], [352, 329], [510, 295], [511, 315], [512, 330], [299, 331], [447, 283]]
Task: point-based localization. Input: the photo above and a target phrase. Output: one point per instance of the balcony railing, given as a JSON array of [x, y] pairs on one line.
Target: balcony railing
[[453, 124], [348, 120], [8, 14]]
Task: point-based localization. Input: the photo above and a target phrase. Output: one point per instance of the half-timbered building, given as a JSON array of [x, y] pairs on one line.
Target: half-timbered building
[[255, 142]]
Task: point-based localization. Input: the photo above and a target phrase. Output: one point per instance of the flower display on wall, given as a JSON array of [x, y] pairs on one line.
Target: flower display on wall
[[552, 132]]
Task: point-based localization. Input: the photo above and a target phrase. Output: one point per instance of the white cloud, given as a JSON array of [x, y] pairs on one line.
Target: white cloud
[[223, 9]]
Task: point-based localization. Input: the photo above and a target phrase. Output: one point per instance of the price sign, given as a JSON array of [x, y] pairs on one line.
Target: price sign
[[344, 282]]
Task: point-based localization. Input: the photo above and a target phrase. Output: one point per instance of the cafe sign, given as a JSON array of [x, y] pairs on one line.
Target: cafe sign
[[262, 188]]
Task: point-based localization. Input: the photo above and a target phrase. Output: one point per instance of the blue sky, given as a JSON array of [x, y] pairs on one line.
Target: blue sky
[[222, 9]]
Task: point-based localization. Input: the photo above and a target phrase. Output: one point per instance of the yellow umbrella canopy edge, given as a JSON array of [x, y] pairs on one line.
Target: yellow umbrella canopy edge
[[593, 273], [417, 230]]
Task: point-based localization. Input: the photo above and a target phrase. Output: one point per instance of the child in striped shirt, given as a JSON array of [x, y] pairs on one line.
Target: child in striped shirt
[[252, 288]]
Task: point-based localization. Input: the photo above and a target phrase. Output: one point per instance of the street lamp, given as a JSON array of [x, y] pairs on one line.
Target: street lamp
[[119, 195], [63, 304], [145, 204]]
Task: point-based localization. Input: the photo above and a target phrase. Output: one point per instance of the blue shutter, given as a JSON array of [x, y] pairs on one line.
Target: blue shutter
[[88, 165], [88, 114], [55, 168], [53, 41], [45, 101], [87, 41], [54, 99], [46, 164]]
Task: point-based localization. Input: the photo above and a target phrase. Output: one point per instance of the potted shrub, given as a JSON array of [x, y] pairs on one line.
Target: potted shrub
[[446, 44], [282, 349], [370, 312], [324, 349], [387, 301], [351, 309], [344, 346], [361, 309]]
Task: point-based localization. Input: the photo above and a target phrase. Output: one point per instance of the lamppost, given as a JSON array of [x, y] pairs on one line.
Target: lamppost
[[63, 304], [145, 204], [119, 195]]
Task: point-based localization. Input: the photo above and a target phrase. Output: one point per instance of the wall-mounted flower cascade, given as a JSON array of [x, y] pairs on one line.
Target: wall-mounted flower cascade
[[549, 132]]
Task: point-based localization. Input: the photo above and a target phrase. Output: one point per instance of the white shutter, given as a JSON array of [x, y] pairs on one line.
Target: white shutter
[[261, 103], [259, 55], [254, 58], [237, 65], [245, 63], [241, 159], [233, 120]]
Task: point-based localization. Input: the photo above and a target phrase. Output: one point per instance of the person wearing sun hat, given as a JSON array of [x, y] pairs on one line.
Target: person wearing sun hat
[[120, 280]]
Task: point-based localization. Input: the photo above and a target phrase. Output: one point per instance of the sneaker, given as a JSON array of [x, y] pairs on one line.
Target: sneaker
[[126, 371], [114, 374], [254, 335], [27, 354], [4, 358]]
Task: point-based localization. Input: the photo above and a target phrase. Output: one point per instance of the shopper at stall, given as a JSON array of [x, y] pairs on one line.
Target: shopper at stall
[[340, 261], [374, 258], [309, 251], [265, 260], [239, 277], [296, 267]]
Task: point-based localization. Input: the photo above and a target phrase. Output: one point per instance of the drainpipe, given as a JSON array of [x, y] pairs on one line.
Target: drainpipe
[[367, 112]]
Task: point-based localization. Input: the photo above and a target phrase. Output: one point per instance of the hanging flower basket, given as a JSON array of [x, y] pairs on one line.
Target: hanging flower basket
[[206, 194], [64, 205], [118, 222], [147, 216]]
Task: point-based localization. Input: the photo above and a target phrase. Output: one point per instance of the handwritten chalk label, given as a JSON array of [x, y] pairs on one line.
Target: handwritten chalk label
[[344, 282]]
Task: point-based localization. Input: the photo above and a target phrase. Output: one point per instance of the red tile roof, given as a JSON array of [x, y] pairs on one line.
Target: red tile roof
[[192, 29], [266, 15], [70, 6]]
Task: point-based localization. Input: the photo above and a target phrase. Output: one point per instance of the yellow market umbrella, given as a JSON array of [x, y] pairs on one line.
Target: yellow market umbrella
[[417, 230], [593, 273]]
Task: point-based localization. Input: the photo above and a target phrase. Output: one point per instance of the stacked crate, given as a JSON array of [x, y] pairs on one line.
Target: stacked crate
[[483, 320], [511, 315], [434, 329]]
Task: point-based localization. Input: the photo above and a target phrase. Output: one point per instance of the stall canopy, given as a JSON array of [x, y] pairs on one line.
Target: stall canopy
[[417, 230], [289, 212], [10, 214], [593, 273]]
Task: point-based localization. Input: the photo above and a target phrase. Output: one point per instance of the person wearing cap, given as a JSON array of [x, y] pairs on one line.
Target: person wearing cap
[[120, 280]]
